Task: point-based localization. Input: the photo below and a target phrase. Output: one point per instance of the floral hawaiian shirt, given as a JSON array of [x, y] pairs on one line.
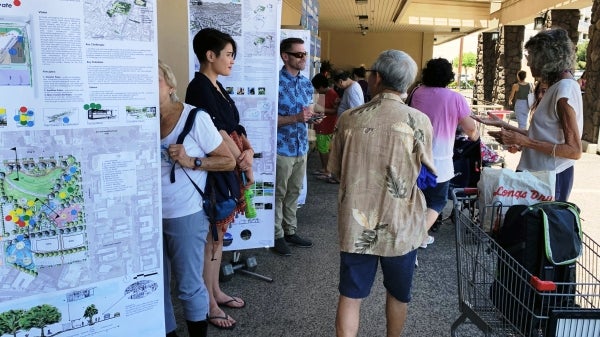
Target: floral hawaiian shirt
[[377, 152], [295, 93]]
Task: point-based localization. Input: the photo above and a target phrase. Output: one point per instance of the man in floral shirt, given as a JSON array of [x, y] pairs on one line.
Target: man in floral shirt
[[377, 152]]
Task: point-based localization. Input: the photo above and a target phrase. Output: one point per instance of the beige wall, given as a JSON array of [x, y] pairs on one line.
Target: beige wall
[[290, 16], [348, 50], [173, 40]]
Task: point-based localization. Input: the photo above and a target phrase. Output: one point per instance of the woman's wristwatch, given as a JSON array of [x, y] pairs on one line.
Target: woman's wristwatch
[[197, 163]]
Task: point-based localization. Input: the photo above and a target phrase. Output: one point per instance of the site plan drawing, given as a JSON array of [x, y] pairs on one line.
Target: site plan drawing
[[253, 85], [129, 20], [15, 61]]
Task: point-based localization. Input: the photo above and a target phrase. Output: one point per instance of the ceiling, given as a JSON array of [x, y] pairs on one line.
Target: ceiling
[[446, 19]]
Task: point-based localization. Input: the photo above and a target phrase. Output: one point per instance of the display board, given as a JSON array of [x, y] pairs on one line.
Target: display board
[[253, 84], [80, 225]]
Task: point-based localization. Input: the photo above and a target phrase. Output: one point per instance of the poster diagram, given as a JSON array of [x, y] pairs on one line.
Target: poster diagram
[[80, 193], [130, 20], [78, 209], [43, 220], [61, 116], [225, 16], [260, 45], [260, 15], [253, 85], [96, 310], [15, 61]]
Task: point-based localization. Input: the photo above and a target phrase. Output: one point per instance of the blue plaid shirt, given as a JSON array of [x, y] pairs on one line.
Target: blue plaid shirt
[[295, 92]]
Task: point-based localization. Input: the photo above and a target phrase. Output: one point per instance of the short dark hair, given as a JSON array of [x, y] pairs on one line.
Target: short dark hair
[[211, 39], [286, 44], [320, 81], [341, 75], [438, 73], [360, 71], [521, 75]]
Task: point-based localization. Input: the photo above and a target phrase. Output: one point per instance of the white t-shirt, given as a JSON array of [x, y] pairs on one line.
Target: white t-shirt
[[352, 97], [545, 126], [181, 197]]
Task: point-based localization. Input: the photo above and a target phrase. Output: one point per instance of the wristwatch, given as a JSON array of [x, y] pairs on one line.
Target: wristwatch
[[197, 163]]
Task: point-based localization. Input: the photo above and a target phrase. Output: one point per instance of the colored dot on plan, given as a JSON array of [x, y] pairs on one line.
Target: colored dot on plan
[[23, 109]]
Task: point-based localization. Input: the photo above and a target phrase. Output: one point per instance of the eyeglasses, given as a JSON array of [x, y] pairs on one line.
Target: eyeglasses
[[298, 55]]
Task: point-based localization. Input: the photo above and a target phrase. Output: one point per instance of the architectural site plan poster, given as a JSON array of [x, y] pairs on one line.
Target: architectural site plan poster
[[80, 227], [253, 84]]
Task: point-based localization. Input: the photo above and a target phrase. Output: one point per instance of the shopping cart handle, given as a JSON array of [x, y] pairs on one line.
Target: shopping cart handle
[[541, 285], [470, 190]]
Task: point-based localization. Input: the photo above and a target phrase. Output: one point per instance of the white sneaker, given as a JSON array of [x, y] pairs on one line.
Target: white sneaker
[[430, 239]]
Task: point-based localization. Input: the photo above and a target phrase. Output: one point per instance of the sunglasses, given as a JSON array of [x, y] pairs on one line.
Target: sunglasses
[[298, 55]]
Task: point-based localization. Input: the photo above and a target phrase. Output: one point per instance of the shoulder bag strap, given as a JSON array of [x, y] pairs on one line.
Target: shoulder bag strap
[[189, 122], [412, 92]]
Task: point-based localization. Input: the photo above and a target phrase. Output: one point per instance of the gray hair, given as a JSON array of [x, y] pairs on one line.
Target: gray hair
[[169, 79], [397, 70], [551, 52]]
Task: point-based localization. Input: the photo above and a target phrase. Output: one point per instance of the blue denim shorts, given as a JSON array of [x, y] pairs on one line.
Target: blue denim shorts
[[436, 197], [357, 274]]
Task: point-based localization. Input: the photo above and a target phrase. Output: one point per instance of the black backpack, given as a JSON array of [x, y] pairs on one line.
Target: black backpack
[[544, 240], [466, 159], [222, 192]]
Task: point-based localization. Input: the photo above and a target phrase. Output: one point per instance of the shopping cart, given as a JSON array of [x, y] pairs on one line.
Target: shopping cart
[[521, 305]]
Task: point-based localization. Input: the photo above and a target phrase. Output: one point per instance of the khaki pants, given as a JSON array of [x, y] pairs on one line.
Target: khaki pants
[[288, 183]]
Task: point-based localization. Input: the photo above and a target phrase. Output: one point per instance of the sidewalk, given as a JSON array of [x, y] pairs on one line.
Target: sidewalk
[[303, 297]]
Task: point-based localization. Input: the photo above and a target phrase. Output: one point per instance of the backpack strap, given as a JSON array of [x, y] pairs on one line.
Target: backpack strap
[[412, 92], [189, 123]]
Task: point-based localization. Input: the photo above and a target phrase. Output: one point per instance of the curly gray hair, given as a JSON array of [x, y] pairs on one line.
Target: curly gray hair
[[550, 53]]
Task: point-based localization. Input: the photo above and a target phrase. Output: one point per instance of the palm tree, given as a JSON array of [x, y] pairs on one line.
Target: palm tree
[[89, 313]]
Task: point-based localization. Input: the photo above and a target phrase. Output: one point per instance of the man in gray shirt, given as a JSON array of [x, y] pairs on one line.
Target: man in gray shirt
[[353, 94]]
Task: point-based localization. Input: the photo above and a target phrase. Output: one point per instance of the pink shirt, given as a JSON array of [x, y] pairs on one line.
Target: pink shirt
[[445, 108]]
